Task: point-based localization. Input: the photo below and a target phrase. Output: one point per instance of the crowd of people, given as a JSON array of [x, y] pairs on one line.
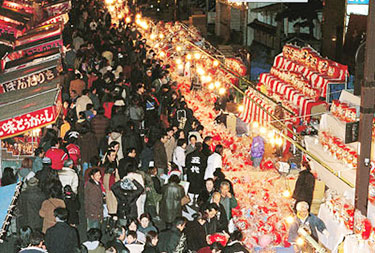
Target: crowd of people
[[129, 154], [125, 140]]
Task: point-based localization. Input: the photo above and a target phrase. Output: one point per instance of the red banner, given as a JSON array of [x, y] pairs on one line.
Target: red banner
[[18, 125]]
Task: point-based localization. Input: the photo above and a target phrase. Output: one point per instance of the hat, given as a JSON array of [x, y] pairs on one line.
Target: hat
[[32, 181], [151, 164], [47, 160], [127, 184]]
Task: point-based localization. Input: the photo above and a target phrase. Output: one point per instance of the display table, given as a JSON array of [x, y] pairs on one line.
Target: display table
[[337, 231], [331, 180], [330, 123]]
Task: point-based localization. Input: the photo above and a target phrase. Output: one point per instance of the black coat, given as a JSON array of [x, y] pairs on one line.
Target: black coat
[[150, 249], [131, 139], [29, 203], [172, 241], [304, 187], [204, 198], [195, 168], [206, 151], [127, 200], [196, 235], [73, 206], [61, 238], [160, 155], [118, 245], [170, 205]]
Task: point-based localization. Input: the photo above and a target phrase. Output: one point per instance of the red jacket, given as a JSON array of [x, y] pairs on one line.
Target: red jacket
[[57, 156], [74, 153]]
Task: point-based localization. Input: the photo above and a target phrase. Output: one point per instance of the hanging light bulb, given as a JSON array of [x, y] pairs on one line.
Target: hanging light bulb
[[188, 57], [286, 194], [263, 130], [178, 48], [197, 56], [161, 36], [300, 241], [222, 91], [108, 2], [152, 36], [216, 63], [120, 16], [208, 79], [270, 135], [255, 124], [240, 108], [180, 66], [200, 71], [162, 54], [111, 8], [217, 84], [279, 141], [211, 86], [290, 219], [178, 61], [138, 16]]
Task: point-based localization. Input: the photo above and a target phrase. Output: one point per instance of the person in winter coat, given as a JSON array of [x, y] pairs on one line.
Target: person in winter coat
[[68, 175], [170, 145], [221, 215], [118, 119], [49, 205], [38, 164], [170, 205], [57, 155], [131, 139], [235, 243], [128, 161], [195, 232], [257, 150], [111, 176], [214, 161], [82, 102], [161, 159], [192, 144], [61, 237], [151, 243], [206, 194], [72, 205], [99, 124], [29, 203], [36, 243], [74, 151], [179, 155], [117, 243], [127, 191], [116, 136], [146, 156], [212, 225], [133, 174], [227, 199], [93, 243], [94, 199], [88, 144], [195, 169], [136, 113], [174, 240], [305, 184]]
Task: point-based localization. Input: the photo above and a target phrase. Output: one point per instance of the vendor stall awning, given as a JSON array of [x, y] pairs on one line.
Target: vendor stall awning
[[28, 109]]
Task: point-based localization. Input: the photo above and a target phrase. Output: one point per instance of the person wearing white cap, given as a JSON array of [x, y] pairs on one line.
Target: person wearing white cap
[[307, 221]]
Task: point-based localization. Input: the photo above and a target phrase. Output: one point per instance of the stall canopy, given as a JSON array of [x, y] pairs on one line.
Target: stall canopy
[[28, 109]]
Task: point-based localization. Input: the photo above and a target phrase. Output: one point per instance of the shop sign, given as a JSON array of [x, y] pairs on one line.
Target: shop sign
[[18, 125], [44, 47], [29, 81]]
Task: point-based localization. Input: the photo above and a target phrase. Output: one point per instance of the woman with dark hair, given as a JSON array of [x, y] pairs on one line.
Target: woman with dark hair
[[8, 177], [88, 145], [151, 243], [111, 176], [133, 225], [72, 205], [304, 186], [206, 194], [195, 232], [38, 164], [26, 167], [49, 205], [235, 243]]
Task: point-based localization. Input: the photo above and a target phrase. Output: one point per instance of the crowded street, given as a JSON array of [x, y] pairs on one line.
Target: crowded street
[[125, 127]]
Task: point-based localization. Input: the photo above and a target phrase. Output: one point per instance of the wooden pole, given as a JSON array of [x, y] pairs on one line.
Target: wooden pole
[[367, 114]]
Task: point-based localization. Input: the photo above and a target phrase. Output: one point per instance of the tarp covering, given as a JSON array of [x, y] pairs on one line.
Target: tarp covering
[[6, 193]]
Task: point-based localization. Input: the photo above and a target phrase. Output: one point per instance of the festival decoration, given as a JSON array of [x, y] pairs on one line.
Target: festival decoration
[[343, 111]]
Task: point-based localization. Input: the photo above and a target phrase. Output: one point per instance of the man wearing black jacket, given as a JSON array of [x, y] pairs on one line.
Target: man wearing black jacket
[[195, 168], [61, 234]]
